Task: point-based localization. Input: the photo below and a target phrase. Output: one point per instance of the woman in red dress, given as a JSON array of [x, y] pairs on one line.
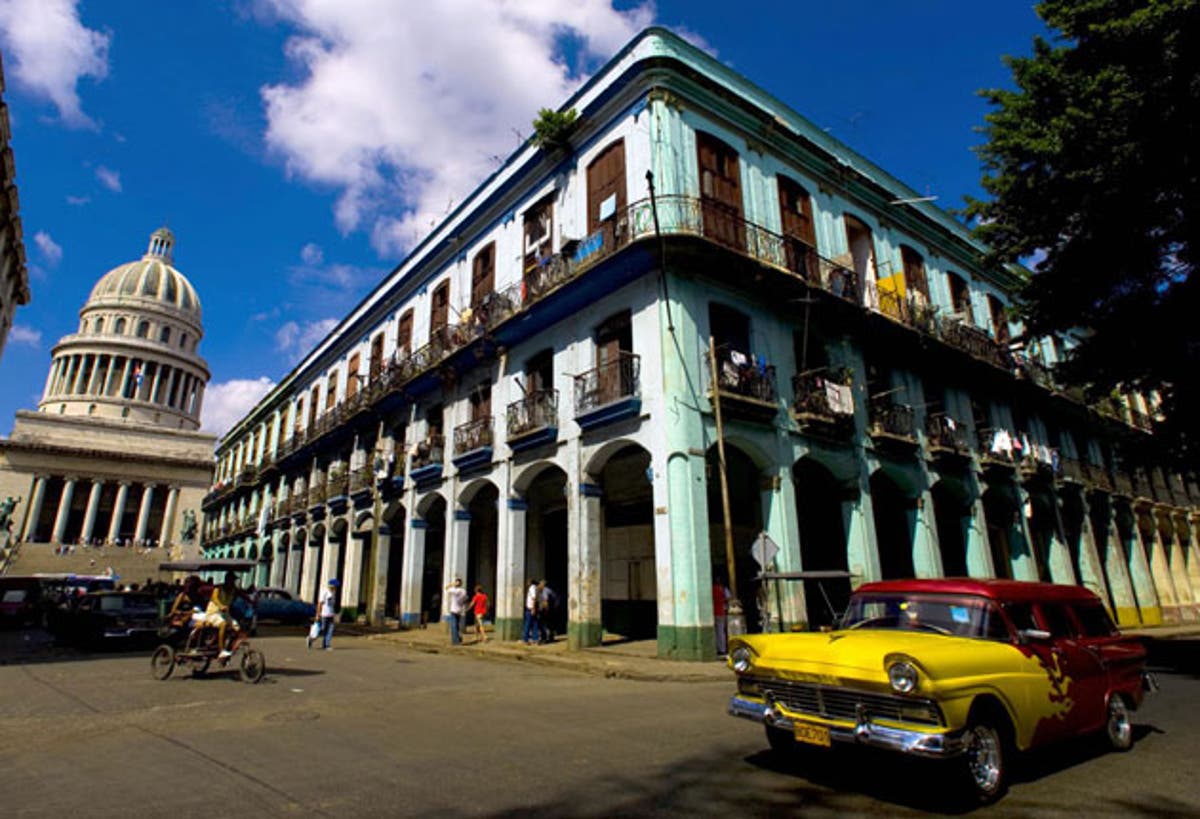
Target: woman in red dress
[[479, 605]]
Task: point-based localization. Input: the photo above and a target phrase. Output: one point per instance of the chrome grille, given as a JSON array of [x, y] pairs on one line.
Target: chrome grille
[[831, 702]]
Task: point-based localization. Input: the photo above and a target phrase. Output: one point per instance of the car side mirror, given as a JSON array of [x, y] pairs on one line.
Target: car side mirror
[[1034, 635]]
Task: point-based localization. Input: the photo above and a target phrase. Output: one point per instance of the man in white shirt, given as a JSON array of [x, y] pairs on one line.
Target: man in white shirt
[[529, 633], [326, 612], [456, 599]]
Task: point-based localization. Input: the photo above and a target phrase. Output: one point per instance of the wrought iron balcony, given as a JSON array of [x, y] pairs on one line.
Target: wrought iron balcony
[[1073, 470], [946, 435], [429, 451], [823, 402], [533, 420], [976, 343], [890, 421], [473, 435], [610, 392], [745, 387], [337, 484], [362, 478]]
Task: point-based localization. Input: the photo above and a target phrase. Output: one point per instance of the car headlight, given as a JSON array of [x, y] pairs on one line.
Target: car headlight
[[903, 677], [741, 659]]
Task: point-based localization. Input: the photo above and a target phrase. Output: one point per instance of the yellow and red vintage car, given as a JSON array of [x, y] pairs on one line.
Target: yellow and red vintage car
[[967, 669]]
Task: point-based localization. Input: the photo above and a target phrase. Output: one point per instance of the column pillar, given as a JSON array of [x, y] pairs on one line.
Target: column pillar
[[35, 508], [1160, 570], [1020, 544], [414, 564], [1058, 561], [1140, 576], [927, 554], [168, 522], [279, 560], [51, 378], [378, 602], [1178, 564], [95, 376], [125, 375], [64, 510], [782, 523], [1091, 570], [585, 624], [93, 506], [143, 518], [114, 527], [352, 590], [510, 591], [158, 371], [979, 552], [1102, 529]]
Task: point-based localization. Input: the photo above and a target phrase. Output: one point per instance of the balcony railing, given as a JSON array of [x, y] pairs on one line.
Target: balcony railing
[[891, 419], [473, 435], [945, 433], [429, 451], [537, 410], [824, 400], [317, 494], [338, 483], [610, 382], [362, 478], [739, 374]]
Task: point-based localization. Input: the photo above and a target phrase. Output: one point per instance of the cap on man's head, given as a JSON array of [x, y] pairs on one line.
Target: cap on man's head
[[333, 581]]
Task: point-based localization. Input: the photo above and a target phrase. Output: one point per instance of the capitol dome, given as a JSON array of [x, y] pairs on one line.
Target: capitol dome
[[150, 279], [135, 355]]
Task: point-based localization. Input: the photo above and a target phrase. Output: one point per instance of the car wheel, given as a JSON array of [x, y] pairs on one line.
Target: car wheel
[[781, 740], [162, 663], [985, 762], [1118, 728]]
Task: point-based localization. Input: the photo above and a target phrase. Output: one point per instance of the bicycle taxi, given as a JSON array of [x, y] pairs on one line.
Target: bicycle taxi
[[189, 641]]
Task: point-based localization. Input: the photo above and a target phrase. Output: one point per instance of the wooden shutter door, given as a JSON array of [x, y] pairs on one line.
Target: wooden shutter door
[[720, 191], [605, 179], [439, 311], [483, 275], [795, 211], [404, 333]]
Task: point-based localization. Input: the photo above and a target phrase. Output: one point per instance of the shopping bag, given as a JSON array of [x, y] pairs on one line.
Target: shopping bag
[[314, 631]]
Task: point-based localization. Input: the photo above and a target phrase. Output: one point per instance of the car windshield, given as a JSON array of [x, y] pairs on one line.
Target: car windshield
[[959, 615], [120, 602]]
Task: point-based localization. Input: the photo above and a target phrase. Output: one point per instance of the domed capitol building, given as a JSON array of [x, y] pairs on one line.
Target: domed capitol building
[[113, 454]]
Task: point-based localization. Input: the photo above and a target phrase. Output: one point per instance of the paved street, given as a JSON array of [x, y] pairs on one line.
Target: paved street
[[375, 729]]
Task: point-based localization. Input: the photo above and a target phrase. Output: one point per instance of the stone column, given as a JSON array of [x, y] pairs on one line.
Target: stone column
[[51, 378], [64, 510], [455, 563], [979, 552], [35, 508], [95, 376], [782, 523], [114, 527], [352, 591], [585, 625], [1177, 561], [377, 599], [125, 375], [168, 522], [510, 605], [1020, 543], [410, 582], [927, 553], [158, 371], [143, 518], [1160, 570], [279, 560], [93, 506]]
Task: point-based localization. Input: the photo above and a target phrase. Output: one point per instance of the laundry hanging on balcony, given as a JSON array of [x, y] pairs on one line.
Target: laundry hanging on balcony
[[839, 398]]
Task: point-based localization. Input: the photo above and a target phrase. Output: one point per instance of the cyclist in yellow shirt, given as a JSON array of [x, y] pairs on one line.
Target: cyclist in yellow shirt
[[219, 612]]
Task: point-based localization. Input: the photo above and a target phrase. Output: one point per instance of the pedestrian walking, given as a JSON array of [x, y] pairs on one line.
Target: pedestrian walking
[[479, 607], [529, 631], [326, 613], [456, 599], [547, 603], [720, 595]]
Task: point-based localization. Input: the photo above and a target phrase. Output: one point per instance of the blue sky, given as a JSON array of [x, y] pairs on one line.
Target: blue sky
[[298, 147]]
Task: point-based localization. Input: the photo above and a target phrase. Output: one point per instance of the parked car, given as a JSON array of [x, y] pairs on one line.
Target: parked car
[[966, 670], [278, 604], [100, 618], [21, 601]]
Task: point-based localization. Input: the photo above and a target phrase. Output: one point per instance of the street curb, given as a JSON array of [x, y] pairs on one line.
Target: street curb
[[578, 663]]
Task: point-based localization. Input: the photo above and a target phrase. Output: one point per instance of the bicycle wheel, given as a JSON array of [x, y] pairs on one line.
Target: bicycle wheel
[[162, 664], [253, 667]]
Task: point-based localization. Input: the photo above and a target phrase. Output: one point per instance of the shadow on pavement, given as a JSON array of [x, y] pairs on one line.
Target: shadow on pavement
[[1178, 656]]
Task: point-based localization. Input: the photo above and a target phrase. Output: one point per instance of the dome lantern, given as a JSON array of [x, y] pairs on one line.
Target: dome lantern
[[162, 242]]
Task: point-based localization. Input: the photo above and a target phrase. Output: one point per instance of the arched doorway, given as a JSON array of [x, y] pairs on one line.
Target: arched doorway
[[952, 516], [1000, 510], [396, 518], [482, 540], [629, 589], [546, 538], [364, 537], [895, 518], [435, 556], [1042, 525], [745, 514], [822, 540]]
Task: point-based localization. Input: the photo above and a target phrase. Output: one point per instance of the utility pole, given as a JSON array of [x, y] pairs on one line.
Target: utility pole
[[735, 618]]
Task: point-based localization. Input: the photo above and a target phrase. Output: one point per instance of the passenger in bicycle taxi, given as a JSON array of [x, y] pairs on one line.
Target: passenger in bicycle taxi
[[219, 612], [189, 605]]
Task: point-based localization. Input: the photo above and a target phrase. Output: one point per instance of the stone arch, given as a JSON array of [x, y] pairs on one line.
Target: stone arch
[[746, 521], [599, 459], [953, 503], [528, 474], [364, 520], [823, 517], [628, 585], [473, 488], [427, 502], [894, 511]]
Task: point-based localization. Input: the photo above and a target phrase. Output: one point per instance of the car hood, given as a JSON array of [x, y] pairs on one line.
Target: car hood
[[864, 653]]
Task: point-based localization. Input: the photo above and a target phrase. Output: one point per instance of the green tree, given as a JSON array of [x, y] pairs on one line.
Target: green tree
[[1094, 161]]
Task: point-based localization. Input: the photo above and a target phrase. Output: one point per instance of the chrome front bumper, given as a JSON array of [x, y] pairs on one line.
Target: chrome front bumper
[[865, 732]]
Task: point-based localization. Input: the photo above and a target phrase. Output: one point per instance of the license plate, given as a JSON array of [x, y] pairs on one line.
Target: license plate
[[811, 734]]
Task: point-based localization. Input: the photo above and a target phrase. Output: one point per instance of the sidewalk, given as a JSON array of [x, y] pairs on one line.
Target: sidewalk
[[636, 660]]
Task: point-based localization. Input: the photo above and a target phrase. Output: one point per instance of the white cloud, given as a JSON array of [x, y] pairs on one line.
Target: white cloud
[[296, 339], [109, 178], [51, 251], [78, 201], [21, 334], [405, 113], [311, 254], [52, 50], [227, 402]]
